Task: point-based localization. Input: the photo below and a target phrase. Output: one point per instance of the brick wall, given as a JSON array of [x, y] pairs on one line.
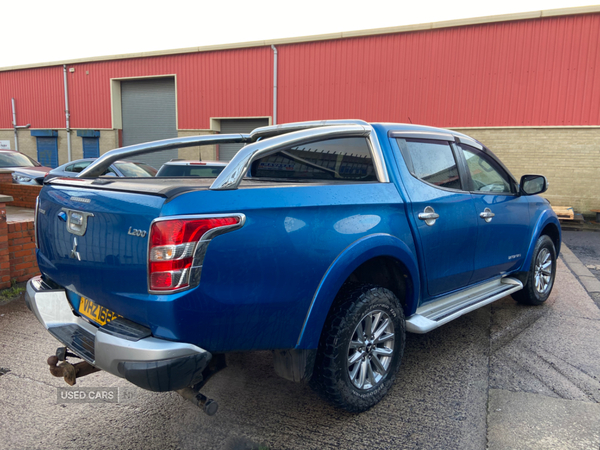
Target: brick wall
[[4, 253], [23, 195], [21, 250], [568, 157]]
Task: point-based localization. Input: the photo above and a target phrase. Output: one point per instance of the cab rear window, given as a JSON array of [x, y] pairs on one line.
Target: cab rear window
[[334, 159]]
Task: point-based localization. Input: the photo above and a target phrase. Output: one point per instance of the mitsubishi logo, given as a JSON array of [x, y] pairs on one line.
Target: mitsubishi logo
[[74, 252]]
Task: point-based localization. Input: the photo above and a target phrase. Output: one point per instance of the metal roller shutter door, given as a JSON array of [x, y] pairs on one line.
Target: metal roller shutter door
[[149, 114], [228, 151]]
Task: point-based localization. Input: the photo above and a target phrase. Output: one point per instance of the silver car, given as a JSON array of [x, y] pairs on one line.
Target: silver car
[[117, 169], [25, 170]]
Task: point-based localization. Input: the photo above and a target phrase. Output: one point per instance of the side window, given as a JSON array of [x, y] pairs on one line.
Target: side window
[[345, 159], [78, 167], [487, 176], [431, 161]]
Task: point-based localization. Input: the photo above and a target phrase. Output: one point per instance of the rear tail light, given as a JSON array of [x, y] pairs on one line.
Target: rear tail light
[[177, 248]]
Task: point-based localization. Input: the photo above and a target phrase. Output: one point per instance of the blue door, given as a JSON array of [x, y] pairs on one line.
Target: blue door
[[47, 147], [443, 213], [91, 147], [502, 216], [90, 140]]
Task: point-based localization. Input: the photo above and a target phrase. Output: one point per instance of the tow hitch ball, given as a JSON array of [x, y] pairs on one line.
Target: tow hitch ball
[[70, 372]]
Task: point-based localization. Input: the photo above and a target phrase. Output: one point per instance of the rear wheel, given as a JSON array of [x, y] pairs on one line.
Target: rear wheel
[[542, 272], [360, 349]]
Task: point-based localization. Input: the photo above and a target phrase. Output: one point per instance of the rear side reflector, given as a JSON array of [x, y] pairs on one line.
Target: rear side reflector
[[177, 248]]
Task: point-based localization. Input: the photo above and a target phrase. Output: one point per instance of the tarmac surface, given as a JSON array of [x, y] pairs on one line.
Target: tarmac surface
[[506, 376], [585, 246]]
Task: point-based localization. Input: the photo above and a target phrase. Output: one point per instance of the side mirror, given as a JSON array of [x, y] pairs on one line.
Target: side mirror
[[533, 184]]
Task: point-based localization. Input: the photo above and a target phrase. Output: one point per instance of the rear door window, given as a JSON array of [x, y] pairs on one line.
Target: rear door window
[[432, 161]]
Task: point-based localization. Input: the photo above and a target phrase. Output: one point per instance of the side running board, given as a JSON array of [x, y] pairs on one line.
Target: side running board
[[432, 315]]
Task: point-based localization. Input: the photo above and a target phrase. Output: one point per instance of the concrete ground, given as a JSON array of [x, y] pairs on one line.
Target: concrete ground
[[583, 258], [503, 377]]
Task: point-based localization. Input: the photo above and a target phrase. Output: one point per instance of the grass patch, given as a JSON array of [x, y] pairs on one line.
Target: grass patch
[[13, 292]]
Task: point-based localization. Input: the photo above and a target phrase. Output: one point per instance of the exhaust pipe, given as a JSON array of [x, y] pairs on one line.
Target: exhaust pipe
[[208, 405]]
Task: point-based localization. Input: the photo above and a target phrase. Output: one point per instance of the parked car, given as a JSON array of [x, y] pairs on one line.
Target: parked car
[[324, 242], [117, 169], [199, 169], [25, 169]]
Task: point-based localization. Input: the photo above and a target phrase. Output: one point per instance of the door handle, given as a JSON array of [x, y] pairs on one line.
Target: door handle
[[429, 216], [487, 215]]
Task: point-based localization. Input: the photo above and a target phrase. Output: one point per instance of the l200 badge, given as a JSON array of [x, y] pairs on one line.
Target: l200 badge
[[139, 233]]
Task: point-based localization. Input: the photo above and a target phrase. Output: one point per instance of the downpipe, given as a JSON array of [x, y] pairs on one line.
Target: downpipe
[[67, 115], [274, 85]]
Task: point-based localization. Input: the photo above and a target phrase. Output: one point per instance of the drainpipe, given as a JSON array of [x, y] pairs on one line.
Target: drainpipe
[[15, 126], [274, 85], [67, 115]]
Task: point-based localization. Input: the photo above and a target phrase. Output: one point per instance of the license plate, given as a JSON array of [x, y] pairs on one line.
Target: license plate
[[97, 313]]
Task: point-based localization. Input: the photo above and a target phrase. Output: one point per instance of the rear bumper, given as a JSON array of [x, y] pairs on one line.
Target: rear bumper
[[150, 363]]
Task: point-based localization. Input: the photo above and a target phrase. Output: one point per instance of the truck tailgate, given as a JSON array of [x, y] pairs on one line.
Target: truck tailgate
[[103, 256]]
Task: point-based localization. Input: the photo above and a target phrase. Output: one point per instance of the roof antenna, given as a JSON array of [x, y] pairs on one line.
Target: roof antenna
[[409, 119]]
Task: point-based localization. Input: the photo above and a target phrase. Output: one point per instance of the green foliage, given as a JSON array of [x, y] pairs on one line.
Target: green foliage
[[12, 292]]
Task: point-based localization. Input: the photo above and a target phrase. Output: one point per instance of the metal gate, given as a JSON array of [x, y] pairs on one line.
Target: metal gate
[[228, 151], [149, 114]]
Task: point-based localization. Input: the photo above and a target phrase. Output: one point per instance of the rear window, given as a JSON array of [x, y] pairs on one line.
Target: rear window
[[178, 170], [133, 169], [335, 159]]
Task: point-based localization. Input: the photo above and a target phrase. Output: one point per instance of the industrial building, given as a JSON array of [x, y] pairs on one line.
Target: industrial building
[[527, 85]]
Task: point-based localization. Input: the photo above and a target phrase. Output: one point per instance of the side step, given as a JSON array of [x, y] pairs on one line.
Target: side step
[[432, 315]]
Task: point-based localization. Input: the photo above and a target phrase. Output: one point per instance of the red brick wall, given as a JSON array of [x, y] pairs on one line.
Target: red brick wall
[[24, 195], [4, 258], [21, 250]]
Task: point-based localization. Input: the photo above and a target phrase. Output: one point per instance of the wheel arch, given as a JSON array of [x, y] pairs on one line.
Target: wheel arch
[[547, 224], [357, 263]]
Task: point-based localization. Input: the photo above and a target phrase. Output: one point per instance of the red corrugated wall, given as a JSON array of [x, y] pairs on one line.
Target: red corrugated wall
[[539, 72], [526, 73]]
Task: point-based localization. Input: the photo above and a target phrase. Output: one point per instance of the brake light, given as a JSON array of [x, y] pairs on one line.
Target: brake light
[[177, 249]]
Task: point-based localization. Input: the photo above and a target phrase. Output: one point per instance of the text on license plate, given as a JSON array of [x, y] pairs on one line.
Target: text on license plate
[[97, 313]]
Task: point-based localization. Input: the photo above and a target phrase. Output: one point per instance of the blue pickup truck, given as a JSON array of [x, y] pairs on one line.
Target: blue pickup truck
[[324, 242]]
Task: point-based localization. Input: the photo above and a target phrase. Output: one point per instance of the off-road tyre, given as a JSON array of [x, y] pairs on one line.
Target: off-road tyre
[[536, 290], [331, 377]]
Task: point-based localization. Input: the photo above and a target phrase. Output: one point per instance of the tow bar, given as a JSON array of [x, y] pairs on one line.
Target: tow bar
[[70, 372]]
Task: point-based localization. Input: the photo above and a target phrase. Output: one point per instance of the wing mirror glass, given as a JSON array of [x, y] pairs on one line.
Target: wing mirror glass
[[533, 184]]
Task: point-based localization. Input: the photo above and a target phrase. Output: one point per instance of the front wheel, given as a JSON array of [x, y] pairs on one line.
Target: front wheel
[[360, 349], [540, 278]]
